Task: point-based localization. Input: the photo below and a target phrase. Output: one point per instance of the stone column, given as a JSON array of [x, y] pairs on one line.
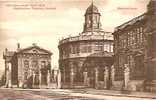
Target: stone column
[[20, 71], [20, 83], [126, 76], [40, 80], [96, 77], [71, 74], [112, 74], [72, 77], [64, 76], [48, 79], [59, 79], [6, 81], [106, 77], [33, 85], [9, 75], [85, 75]]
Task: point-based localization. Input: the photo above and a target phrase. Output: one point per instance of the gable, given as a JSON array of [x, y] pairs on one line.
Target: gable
[[35, 50]]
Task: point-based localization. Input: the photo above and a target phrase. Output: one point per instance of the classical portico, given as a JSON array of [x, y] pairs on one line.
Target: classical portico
[[29, 67]]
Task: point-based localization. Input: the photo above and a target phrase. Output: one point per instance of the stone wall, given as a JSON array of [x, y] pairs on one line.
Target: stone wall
[[136, 85], [117, 85]]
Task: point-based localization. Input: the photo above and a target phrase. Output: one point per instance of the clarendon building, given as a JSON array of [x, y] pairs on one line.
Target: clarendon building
[[135, 52], [85, 60], [28, 68]]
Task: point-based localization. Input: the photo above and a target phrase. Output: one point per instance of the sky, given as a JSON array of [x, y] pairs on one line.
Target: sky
[[45, 22]]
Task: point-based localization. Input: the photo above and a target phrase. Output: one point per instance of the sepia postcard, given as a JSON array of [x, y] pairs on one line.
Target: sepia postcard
[[77, 49]]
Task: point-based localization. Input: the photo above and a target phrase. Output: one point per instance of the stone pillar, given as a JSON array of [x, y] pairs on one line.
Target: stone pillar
[[6, 81], [40, 80], [48, 79], [106, 77], [96, 77], [20, 80], [20, 83], [64, 76], [112, 74], [85, 75], [33, 85], [20, 71], [151, 84], [59, 79], [9, 75], [126, 76], [72, 76]]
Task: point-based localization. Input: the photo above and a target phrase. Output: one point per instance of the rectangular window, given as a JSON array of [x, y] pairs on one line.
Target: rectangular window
[[86, 48], [89, 48], [120, 61], [98, 46], [141, 34], [124, 41], [106, 47], [128, 38], [131, 36]]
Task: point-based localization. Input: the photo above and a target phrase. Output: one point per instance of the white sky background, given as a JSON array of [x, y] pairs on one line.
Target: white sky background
[[46, 27]]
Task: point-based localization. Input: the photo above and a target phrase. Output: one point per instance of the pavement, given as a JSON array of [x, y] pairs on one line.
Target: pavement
[[118, 93], [72, 94]]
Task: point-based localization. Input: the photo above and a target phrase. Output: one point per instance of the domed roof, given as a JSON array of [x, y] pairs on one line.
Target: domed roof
[[92, 9]]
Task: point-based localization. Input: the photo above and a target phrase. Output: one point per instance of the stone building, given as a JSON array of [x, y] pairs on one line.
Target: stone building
[[85, 60], [135, 52], [28, 68]]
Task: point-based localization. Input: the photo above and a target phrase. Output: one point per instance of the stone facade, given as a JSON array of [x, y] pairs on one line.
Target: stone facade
[[85, 60], [28, 68], [134, 49]]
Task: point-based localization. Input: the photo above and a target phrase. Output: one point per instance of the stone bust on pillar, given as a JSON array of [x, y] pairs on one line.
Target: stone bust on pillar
[[126, 75]]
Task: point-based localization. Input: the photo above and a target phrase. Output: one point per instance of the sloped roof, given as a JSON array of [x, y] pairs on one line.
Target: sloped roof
[[131, 22], [34, 46], [9, 53], [92, 9]]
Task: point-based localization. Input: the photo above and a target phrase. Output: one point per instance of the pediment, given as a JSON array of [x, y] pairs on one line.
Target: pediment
[[35, 50]]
